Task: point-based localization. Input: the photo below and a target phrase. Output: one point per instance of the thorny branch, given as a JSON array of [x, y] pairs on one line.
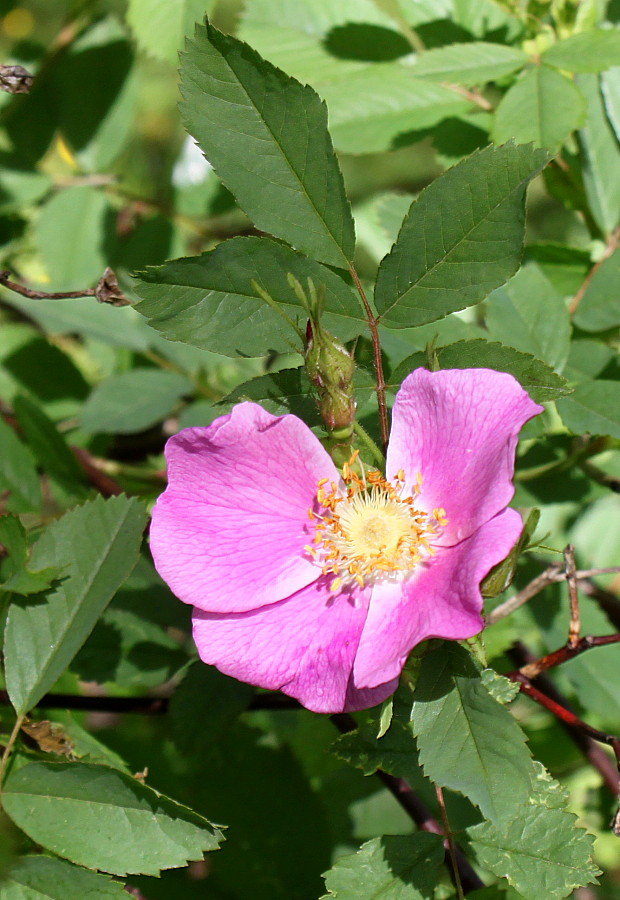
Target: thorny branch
[[574, 646]]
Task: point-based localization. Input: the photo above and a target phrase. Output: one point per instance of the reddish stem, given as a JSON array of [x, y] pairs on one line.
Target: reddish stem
[[376, 355]]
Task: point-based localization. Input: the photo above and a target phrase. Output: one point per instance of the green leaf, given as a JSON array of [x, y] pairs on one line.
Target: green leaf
[[469, 64], [17, 575], [255, 125], [461, 239], [501, 689], [19, 481], [544, 107], [593, 408], [69, 236], [129, 651], [115, 326], [159, 26], [98, 543], [46, 878], [103, 819], [538, 844], [280, 393], [399, 867], [601, 157], [610, 88], [529, 314], [599, 307], [96, 124], [538, 379], [133, 401], [395, 752], [588, 51], [375, 108], [501, 576], [210, 301], [49, 447], [467, 740], [315, 17]]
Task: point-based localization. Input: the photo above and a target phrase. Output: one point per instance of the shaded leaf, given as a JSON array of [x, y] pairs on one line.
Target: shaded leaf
[[529, 314], [544, 107], [538, 379], [399, 867], [209, 301], [98, 544], [49, 447], [255, 125], [204, 706], [461, 239], [599, 307], [18, 475], [593, 408], [103, 819], [280, 393], [133, 401]]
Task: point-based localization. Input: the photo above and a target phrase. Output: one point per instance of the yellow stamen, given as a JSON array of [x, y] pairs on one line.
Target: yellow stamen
[[367, 531]]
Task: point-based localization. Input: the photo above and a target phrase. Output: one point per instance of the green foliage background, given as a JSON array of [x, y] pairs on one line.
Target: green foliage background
[[97, 169]]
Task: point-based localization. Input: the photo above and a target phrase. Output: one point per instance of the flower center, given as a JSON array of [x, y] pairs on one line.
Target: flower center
[[369, 532]]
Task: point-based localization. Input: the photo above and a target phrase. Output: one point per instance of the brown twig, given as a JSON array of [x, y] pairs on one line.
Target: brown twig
[[106, 291], [376, 354], [553, 574], [565, 715], [574, 627], [475, 96], [563, 654], [414, 808], [612, 243]]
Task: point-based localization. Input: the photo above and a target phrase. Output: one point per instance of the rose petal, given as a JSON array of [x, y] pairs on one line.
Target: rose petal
[[442, 599], [458, 428], [304, 646], [228, 532]]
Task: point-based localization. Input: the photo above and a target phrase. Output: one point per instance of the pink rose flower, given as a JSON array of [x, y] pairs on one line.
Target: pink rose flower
[[317, 584]]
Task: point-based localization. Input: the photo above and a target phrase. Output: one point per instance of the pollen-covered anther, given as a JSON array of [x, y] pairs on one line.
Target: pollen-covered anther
[[367, 531]]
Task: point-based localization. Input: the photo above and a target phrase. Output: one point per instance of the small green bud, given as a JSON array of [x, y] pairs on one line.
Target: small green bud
[[329, 365]]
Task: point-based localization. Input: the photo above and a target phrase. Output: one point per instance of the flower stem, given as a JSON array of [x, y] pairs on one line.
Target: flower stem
[[376, 353], [363, 435]]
